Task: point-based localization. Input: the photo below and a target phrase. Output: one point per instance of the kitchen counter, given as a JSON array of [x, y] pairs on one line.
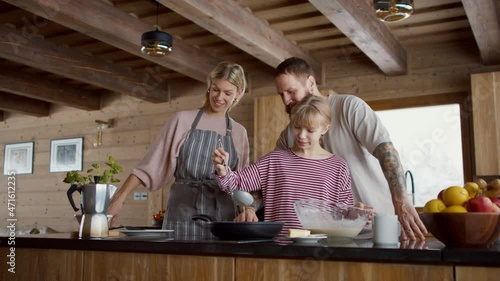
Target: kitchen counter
[[431, 251], [64, 256]]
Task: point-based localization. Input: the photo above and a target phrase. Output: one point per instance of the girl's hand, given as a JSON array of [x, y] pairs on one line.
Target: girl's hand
[[247, 215], [366, 207], [219, 157]]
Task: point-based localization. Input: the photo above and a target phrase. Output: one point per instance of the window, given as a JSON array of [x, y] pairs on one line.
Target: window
[[429, 141]]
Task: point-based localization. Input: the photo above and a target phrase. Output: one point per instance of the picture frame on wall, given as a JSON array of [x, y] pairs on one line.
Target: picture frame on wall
[[18, 158], [66, 155]]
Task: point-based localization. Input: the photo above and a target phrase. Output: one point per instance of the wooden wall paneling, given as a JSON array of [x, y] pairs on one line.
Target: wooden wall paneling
[[140, 266], [467, 273], [270, 119], [486, 111], [42, 265]]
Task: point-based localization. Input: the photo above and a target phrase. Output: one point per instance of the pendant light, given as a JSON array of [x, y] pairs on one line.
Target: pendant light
[[156, 43], [393, 10]]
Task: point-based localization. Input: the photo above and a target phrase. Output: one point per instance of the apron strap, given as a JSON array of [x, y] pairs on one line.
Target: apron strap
[[229, 125], [197, 119]]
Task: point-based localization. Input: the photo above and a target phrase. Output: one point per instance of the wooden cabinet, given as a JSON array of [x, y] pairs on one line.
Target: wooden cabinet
[[486, 116], [466, 273], [270, 119], [42, 265], [74, 265], [141, 266], [317, 270]]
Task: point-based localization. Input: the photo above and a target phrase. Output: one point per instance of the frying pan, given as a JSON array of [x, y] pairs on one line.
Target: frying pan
[[231, 230]]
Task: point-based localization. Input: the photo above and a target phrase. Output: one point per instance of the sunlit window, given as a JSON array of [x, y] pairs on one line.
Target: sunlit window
[[430, 145]]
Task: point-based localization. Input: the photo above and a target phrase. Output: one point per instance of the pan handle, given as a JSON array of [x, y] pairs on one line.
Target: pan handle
[[203, 217]]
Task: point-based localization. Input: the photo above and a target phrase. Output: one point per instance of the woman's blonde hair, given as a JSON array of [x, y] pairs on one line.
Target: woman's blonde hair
[[231, 72], [305, 112]]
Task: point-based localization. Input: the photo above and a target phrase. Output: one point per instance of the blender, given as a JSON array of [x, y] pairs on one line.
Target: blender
[[95, 201]]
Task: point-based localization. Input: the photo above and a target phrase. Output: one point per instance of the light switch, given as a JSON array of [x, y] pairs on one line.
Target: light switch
[[137, 196], [144, 196]]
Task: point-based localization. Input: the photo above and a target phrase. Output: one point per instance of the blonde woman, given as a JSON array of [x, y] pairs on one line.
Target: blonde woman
[[183, 151]]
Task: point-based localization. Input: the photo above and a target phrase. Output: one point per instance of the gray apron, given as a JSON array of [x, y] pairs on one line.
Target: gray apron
[[195, 190]]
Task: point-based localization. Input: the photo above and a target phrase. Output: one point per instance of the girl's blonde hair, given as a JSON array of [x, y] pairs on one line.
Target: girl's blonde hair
[[306, 112], [231, 72]]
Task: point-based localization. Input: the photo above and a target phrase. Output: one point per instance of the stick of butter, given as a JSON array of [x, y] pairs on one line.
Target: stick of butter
[[298, 232]]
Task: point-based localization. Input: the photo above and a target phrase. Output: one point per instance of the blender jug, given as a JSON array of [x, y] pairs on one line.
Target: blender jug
[[95, 201]]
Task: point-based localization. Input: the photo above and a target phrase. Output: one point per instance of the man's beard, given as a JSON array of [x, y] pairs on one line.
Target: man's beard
[[288, 108]]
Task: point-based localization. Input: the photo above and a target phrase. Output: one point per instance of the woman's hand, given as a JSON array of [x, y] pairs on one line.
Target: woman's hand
[[219, 157], [248, 214]]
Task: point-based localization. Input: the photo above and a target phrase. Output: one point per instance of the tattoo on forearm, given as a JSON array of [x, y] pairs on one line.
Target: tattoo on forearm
[[391, 166]]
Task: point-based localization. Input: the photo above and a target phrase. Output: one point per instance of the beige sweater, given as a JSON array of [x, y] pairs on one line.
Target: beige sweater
[[156, 170]]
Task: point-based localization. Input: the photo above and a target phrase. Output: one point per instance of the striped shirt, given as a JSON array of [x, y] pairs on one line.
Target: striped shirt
[[285, 177]]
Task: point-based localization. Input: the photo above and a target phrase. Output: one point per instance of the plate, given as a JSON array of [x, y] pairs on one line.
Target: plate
[[145, 232], [312, 238]]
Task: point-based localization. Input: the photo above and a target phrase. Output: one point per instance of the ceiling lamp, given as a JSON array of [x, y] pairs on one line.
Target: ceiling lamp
[[156, 43], [393, 10]]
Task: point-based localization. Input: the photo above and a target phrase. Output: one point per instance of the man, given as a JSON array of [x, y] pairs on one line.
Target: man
[[358, 136]]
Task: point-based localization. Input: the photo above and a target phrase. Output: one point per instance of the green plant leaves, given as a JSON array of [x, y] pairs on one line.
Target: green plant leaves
[[107, 175]]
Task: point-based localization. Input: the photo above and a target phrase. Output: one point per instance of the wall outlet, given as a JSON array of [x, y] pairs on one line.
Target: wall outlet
[[137, 196], [144, 196]]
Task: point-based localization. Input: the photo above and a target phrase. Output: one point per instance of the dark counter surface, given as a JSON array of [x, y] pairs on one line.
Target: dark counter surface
[[430, 251]]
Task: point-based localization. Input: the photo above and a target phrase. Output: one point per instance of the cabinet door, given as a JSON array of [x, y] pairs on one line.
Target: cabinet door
[[42, 265], [486, 116], [140, 266], [270, 119], [317, 270], [466, 273]]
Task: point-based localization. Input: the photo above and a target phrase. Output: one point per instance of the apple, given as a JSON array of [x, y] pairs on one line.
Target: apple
[[440, 195], [479, 204], [496, 201], [495, 209]]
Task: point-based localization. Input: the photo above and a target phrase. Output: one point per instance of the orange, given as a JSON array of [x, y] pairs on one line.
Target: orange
[[455, 196], [455, 209], [434, 206]]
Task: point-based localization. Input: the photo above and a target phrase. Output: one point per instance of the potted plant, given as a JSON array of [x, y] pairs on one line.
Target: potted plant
[[94, 175]]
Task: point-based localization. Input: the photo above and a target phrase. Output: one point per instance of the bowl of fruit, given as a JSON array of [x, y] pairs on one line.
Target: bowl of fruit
[[465, 216], [336, 220]]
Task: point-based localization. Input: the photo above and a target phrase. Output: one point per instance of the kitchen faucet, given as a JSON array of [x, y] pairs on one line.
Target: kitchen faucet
[[408, 172]]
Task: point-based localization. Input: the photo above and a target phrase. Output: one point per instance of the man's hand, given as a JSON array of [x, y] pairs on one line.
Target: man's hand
[[412, 226]]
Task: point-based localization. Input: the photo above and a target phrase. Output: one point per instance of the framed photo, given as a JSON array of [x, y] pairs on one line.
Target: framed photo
[[66, 155], [18, 158]]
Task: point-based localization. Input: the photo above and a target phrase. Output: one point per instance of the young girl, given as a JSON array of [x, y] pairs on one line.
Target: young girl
[[306, 171]]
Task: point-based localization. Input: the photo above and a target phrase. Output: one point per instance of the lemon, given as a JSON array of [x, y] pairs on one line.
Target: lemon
[[455, 196], [455, 209], [434, 206], [472, 188]]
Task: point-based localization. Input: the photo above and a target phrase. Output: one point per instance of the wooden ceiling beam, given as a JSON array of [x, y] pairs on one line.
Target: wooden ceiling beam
[[357, 21], [45, 55], [36, 87], [15, 103], [108, 24], [238, 26], [484, 20]]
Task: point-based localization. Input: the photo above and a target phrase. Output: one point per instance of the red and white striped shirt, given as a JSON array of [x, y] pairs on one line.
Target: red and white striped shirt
[[285, 177]]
